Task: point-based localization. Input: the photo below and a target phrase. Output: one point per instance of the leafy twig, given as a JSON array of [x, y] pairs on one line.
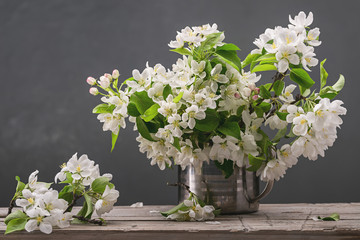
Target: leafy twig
[[94, 221]]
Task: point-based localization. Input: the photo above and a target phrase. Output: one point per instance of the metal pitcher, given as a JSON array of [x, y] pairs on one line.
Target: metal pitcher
[[237, 194]]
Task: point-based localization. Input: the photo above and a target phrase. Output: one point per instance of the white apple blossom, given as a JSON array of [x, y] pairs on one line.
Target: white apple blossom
[[275, 122], [217, 77], [302, 123], [161, 161], [191, 113], [106, 202], [301, 21], [178, 43], [38, 218], [198, 68], [294, 112], [312, 37], [286, 156], [286, 95], [273, 170], [285, 55], [168, 107], [142, 81]]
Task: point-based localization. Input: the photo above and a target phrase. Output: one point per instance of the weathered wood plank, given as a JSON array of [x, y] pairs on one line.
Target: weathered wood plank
[[272, 221]]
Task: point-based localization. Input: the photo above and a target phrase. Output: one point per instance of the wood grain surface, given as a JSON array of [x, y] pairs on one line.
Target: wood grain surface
[[272, 221]]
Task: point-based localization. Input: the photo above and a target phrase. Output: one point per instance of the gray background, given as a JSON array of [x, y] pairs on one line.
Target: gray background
[[48, 48]]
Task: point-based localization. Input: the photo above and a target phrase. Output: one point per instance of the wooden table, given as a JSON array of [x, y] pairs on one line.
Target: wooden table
[[272, 221]]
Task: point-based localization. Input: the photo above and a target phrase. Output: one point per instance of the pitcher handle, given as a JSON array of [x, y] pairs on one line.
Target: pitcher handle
[[264, 193]]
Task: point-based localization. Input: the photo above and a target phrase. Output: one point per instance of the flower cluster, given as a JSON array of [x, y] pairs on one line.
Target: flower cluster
[[192, 209], [207, 107], [292, 45], [44, 207]]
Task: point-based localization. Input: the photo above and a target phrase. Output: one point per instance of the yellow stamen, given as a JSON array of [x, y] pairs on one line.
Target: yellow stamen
[[303, 121], [31, 200], [78, 168], [39, 219]]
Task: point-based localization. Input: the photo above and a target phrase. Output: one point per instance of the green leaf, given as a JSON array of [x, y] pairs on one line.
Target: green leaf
[[328, 92], [240, 110], [141, 101], [264, 93], [282, 115], [67, 193], [210, 41], [114, 138], [266, 57], [20, 185], [143, 129], [68, 179], [255, 163], [17, 224], [280, 134], [176, 143], [301, 77], [167, 91], [228, 47], [90, 208], [151, 112], [332, 217], [227, 167], [99, 184], [278, 87], [291, 133], [14, 215], [210, 122], [230, 57], [132, 110], [263, 68], [323, 74], [230, 129], [259, 111], [82, 213], [249, 59], [181, 207], [178, 97], [265, 106], [104, 108], [339, 84], [182, 51]]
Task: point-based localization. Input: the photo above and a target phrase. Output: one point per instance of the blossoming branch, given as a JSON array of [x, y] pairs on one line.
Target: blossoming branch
[[211, 106]]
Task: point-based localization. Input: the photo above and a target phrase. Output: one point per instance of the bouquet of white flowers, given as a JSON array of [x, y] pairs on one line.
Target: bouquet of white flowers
[[209, 108], [44, 208]]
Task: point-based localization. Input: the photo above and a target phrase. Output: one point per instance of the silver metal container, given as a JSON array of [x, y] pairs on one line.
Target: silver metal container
[[237, 194]]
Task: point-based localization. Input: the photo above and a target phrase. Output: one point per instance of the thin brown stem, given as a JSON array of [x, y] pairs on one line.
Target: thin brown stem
[[72, 204], [84, 219], [11, 205], [181, 185]]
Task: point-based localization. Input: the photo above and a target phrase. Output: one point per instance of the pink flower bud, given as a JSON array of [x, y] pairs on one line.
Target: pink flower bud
[[255, 97], [247, 92], [91, 81], [94, 91], [252, 86], [108, 75], [257, 90], [237, 95], [115, 74]]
